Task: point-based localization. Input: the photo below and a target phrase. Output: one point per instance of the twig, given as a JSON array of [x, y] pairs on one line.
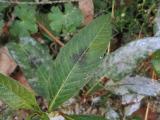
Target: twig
[[148, 104], [147, 112], [50, 34], [113, 9], [35, 3], [109, 48]]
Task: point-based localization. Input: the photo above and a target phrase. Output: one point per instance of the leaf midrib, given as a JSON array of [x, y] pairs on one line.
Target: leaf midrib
[[63, 83]]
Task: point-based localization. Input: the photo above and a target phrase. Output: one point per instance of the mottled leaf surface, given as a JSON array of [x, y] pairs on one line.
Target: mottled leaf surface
[[78, 58], [138, 85], [85, 117], [130, 109], [111, 114], [156, 61], [36, 63], [15, 95], [124, 60]]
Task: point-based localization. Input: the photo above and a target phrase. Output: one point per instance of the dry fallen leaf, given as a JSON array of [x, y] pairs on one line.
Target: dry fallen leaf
[[87, 8], [7, 64], [19, 76]]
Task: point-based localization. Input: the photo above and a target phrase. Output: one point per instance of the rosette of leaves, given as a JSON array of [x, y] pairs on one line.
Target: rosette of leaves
[[25, 22], [56, 81], [66, 21]]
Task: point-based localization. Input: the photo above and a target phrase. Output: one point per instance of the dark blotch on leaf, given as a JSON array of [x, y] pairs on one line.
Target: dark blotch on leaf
[[80, 57], [34, 61]]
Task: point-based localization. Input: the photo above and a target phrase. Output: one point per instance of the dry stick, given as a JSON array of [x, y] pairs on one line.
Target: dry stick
[[55, 39], [36, 3], [109, 48], [113, 9], [148, 105], [147, 111]]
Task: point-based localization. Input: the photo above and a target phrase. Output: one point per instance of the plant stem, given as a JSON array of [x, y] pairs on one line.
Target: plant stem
[[55, 39], [37, 3]]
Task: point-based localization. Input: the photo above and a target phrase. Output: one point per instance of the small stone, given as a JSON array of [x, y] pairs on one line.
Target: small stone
[[88, 110], [57, 118], [94, 111], [77, 108]]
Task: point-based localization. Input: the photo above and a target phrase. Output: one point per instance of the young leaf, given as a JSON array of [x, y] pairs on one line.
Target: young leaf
[[78, 58], [84, 117], [156, 61], [27, 23], [67, 21], [36, 63], [15, 95]]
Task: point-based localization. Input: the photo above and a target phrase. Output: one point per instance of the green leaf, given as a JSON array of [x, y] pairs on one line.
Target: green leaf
[[23, 28], [78, 59], [15, 95], [84, 117], [56, 16], [25, 12], [156, 61], [67, 21], [27, 23], [36, 63]]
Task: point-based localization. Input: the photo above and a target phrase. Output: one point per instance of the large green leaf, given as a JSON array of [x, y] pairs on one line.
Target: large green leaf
[[156, 61], [36, 63], [15, 95], [84, 117], [78, 59]]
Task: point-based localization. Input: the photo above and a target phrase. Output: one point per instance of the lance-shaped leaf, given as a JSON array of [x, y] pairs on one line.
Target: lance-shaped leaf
[[124, 60], [84, 117], [78, 58], [15, 95], [36, 63]]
